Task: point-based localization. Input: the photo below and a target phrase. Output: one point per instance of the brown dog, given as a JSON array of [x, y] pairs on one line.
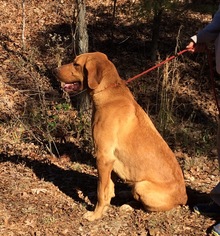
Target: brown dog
[[126, 141]]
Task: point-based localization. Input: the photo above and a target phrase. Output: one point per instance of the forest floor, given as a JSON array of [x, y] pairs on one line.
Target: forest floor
[[48, 177]]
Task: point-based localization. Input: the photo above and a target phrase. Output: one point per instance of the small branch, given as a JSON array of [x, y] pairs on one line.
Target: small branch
[[23, 24]]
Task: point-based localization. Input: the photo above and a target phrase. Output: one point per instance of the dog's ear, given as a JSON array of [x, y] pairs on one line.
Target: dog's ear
[[93, 72]]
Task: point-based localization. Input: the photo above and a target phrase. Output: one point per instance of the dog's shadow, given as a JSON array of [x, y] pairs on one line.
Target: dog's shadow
[[69, 181]]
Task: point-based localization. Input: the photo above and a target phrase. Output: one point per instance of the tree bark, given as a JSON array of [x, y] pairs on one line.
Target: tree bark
[[81, 39], [155, 33], [80, 46]]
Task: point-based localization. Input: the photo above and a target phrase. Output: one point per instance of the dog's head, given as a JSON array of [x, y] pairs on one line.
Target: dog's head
[[86, 71]]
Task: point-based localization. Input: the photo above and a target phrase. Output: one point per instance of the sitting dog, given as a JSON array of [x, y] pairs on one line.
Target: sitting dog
[[126, 141]]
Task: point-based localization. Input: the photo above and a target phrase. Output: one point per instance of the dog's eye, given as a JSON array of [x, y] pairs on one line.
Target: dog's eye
[[75, 64]]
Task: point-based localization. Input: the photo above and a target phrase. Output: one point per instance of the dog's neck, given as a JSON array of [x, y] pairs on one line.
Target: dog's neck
[[114, 85]]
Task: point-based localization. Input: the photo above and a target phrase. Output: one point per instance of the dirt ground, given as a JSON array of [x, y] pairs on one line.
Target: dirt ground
[[48, 177]]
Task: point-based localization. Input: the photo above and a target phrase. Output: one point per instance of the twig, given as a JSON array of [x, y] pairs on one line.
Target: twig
[[23, 24]]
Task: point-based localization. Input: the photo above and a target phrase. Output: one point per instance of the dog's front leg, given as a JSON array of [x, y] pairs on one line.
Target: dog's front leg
[[105, 189]]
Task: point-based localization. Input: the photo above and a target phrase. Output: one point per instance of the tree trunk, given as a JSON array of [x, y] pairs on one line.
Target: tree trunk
[[81, 45], [155, 33], [81, 34]]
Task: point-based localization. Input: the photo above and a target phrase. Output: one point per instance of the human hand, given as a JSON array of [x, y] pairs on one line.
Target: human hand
[[191, 46], [196, 47]]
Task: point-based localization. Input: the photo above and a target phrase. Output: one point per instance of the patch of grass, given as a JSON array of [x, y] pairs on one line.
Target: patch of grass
[[29, 210], [48, 219]]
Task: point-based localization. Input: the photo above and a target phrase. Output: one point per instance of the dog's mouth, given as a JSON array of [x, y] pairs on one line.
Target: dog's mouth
[[72, 87]]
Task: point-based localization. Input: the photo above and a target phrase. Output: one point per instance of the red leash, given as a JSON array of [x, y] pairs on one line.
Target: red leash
[[156, 66], [171, 58]]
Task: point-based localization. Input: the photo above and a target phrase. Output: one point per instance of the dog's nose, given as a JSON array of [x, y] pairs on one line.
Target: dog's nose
[[55, 71]]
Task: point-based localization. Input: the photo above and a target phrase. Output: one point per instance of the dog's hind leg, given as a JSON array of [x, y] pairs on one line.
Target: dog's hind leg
[[153, 197]]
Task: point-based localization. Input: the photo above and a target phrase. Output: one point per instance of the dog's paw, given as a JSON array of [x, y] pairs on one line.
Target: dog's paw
[[90, 216]]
